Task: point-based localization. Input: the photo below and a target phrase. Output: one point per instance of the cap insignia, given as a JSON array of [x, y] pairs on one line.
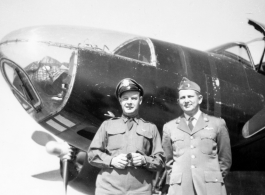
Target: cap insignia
[[125, 83]]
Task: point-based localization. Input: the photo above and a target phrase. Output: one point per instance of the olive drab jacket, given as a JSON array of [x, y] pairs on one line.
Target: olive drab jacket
[[197, 160], [114, 138]]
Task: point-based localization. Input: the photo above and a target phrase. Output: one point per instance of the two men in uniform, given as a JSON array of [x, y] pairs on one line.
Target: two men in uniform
[[128, 149]]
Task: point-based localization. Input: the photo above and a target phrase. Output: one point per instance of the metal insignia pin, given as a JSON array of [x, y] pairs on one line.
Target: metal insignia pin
[[126, 83]]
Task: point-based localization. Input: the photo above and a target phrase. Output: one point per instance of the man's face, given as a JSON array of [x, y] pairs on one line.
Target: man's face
[[189, 101], [130, 102]]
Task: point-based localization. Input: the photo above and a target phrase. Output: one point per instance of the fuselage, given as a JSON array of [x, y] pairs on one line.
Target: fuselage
[[70, 97]]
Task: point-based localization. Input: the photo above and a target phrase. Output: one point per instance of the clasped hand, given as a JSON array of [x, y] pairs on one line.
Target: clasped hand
[[121, 161]]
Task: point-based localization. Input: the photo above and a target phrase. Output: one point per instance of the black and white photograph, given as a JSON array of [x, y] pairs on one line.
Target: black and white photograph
[[143, 97]]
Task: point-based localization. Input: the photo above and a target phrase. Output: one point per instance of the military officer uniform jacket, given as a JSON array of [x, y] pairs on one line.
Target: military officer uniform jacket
[[114, 138], [197, 160]]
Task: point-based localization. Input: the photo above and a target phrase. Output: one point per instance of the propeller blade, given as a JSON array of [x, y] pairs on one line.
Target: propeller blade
[[49, 176], [60, 149], [54, 148], [254, 125], [42, 138], [65, 174]]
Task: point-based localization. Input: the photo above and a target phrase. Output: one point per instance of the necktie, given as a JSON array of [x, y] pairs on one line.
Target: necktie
[[190, 123], [130, 123]]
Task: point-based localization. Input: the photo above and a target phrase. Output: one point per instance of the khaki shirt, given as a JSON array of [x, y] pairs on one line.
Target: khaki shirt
[[114, 138]]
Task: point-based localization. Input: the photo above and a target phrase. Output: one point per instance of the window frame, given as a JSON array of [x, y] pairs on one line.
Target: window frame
[[153, 59], [36, 106], [221, 49]]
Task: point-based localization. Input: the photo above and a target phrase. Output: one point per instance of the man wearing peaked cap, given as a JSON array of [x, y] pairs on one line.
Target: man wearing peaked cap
[[127, 149], [128, 84], [197, 147]]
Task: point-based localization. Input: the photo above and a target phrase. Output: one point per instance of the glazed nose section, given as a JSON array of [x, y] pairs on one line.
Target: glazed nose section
[[39, 74]]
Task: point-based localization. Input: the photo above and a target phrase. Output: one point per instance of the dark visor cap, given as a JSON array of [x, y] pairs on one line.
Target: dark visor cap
[[128, 84]]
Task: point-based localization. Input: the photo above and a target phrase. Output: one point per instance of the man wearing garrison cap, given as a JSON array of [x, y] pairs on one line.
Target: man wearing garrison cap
[[197, 147], [127, 149]]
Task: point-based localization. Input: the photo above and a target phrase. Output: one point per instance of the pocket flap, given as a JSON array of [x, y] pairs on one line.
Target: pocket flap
[[177, 138], [114, 131], [213, 176], [175, 178], [208, 135], [144, 132]]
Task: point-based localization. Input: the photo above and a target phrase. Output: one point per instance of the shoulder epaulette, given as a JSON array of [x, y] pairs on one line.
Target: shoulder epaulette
[[177, 120], [113, 118], [205, 118], [145, 121], [208, 117]]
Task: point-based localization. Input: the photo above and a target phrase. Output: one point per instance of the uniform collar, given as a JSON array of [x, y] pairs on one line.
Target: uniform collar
[[196, 116], [135, 119], [202, 123]]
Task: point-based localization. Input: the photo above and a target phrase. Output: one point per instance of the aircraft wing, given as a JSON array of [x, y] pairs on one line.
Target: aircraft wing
[[254, 125]]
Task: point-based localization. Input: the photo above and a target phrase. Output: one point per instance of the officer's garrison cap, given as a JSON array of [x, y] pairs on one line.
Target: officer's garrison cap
[[128, 84], [186, 84]]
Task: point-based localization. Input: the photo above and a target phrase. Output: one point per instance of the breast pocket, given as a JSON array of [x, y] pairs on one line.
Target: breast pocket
[[178, 144], [208, 143], [115, 140], [144, 141]]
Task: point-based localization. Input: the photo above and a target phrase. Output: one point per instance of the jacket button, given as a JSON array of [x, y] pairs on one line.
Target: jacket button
[[191, 146], [191, 137], [192, 156], [192, 166]]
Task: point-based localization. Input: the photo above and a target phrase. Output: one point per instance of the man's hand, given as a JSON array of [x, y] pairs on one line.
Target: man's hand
[[138, 159], [120, 161]]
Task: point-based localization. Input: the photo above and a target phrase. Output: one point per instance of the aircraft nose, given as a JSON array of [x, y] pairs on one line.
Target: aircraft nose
[[39, 75]]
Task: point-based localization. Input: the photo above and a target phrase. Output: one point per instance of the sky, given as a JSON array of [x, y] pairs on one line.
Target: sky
[[199, 24]]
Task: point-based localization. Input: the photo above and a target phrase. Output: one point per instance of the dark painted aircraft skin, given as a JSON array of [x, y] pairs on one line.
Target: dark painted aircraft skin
[[71, 99]]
